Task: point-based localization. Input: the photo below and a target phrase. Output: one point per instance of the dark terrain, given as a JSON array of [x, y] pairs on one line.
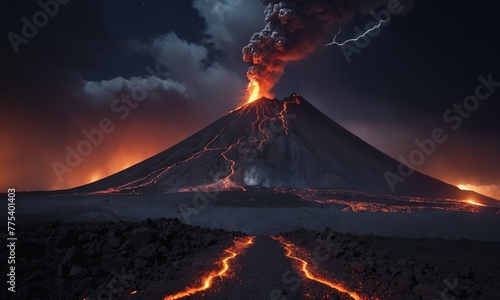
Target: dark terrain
[[155, 258], [104, 260]]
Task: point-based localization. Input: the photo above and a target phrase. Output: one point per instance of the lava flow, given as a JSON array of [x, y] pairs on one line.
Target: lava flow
[[259, 133], [292, 253], [271, 117], [146, 180], [240, 244]]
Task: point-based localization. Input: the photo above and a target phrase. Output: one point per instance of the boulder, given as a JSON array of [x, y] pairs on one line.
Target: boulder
[[70, 255], [404, 283], [75, 270], [140, 236], [67, 239], [146, 251], [358, 266], [465, 272], [426, 292]]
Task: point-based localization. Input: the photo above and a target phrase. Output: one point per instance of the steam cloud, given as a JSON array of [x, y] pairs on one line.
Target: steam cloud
[[294, 29]]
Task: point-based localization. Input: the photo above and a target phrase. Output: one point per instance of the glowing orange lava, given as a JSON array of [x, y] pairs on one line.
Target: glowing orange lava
[[258, 88], [253, 91], [240, 244], [474, 202], [282, 117], [291, 248], [231, 162]]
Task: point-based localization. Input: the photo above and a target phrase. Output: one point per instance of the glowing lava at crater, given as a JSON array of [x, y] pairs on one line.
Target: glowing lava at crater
[[207, 281], [253, 91], [257, 89]]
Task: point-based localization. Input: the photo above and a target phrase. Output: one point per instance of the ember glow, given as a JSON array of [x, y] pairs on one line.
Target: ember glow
[[474, 203], [292, 252], [240, 244]]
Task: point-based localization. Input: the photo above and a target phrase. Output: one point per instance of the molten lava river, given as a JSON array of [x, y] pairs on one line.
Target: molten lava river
[[223, 279], [206, 281]]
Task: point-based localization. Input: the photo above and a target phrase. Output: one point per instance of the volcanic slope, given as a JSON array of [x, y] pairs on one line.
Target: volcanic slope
[[271, 143]]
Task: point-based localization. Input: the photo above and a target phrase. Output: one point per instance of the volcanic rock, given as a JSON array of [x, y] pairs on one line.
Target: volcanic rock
[[426, 291]]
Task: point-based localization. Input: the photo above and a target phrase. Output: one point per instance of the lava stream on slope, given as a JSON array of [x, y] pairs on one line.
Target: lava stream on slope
[[256, 137]]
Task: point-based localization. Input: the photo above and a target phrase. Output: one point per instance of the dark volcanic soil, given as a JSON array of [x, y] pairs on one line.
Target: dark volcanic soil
[[103, 260], [154, 258]]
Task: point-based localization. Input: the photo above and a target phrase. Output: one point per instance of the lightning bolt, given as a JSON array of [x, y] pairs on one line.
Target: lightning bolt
[[334, 41]]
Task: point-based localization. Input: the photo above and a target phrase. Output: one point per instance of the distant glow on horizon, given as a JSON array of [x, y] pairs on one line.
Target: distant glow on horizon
[[98, 169], [487, 190], [474, 202], [117, 166]]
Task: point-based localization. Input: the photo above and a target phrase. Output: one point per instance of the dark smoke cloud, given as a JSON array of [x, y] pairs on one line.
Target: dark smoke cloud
[[294, 29]]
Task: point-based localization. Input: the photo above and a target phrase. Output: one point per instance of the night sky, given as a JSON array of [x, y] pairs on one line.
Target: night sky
[[77, 69]]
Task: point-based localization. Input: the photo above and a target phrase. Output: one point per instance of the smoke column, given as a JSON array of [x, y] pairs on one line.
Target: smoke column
[[294, 29]]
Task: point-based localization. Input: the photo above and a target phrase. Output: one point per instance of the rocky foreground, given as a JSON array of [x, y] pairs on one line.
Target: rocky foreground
[[132, 260], [103, 260], [405, 269]]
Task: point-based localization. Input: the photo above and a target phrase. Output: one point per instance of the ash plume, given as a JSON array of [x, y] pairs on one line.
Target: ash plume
[[294, 29]]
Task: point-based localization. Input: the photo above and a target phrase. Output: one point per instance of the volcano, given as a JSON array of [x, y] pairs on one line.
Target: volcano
[[270, 143]]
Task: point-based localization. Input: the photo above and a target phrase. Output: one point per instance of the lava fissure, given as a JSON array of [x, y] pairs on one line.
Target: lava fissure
[[263, 132], [281, 115], [129, 186], [240, 244], [291, 252], [232, 163], [260, 134], [192, 157]]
